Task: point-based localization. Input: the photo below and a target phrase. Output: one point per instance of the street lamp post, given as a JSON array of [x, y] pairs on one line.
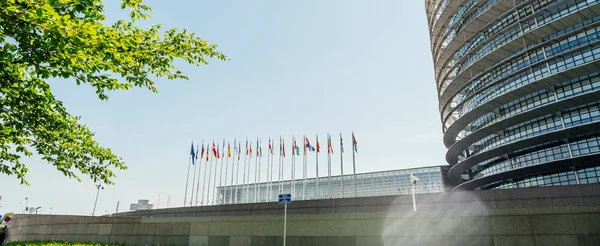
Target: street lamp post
[[413, 183], [26, 202], [98, 187]]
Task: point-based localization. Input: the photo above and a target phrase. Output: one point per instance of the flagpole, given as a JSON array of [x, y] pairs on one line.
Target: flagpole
[[220, 176], [226, 172], [248, 180], [193, 182], [256, 177], [199, 173], [342, 165], [280, 164], [208, 189], [248, 175], [304, 170], [354, 163], [256, 171], [204, 185], [305, 175], [317, 191], [270, 193], [329, 153], [293, 171], [232, 171], [237, 179], [279, 171], [214, 189], [268, 173], [187, 180], [271, 182], [237, 174], [209, 175], [257, 186]]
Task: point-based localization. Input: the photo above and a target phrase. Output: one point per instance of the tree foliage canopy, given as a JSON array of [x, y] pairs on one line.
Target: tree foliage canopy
[[44, 39]]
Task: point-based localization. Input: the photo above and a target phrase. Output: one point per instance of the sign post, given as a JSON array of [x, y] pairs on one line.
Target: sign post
[[285, 199]]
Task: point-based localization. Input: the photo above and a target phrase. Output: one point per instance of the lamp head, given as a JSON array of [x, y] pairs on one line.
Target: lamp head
[[413, 179]]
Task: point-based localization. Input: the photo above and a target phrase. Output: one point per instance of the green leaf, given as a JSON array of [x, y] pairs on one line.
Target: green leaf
[[71, 41]]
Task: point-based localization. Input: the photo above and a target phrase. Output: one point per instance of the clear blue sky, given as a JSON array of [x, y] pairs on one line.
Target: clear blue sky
[[297, 67]]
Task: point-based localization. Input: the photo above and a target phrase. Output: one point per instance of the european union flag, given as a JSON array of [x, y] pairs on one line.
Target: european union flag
[[193, 154]]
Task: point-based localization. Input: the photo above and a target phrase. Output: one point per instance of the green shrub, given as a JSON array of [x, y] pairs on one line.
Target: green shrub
[[56, 243]]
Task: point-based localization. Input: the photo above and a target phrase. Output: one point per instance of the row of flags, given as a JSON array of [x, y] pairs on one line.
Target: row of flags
[[227, 151], [202, 151]]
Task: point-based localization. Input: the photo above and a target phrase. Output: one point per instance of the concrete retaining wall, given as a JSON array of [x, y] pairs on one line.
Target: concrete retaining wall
[[537, 216]]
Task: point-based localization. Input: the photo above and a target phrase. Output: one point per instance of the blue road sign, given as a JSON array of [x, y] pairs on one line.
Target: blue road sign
[[285, 198]]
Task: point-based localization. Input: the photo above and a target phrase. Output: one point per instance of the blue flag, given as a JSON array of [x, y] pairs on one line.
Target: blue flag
[[341, 144], [193, 154]]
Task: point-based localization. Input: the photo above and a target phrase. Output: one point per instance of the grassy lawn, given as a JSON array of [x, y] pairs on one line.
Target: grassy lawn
[[55, 243]]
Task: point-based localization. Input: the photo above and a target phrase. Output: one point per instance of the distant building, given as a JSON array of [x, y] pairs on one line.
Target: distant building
[[384, 183], [141, 205]]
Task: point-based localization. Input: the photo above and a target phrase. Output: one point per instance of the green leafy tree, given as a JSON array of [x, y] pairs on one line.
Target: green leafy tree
[[44, 39]]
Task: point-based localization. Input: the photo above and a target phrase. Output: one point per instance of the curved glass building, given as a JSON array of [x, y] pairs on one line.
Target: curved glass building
[[518, 85]]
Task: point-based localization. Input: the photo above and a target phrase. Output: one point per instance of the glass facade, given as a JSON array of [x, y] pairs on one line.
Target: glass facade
[[523, 75], [386, 183], [588, 175]]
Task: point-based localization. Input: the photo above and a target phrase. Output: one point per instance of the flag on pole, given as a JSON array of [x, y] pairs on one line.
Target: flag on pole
[[202, 153], [222, 154], [280, 146], [257, 148], [341, 143], [318, 145], [250, 150], [239, 150], [235, 150], [207, 152], [295, 148], [329, 145], [304, 145], [214, 150], [308, 145], [354, 143], [283, 148], [193, 154], [228, 150], [197, 149], [270, 147], [246, 146]]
